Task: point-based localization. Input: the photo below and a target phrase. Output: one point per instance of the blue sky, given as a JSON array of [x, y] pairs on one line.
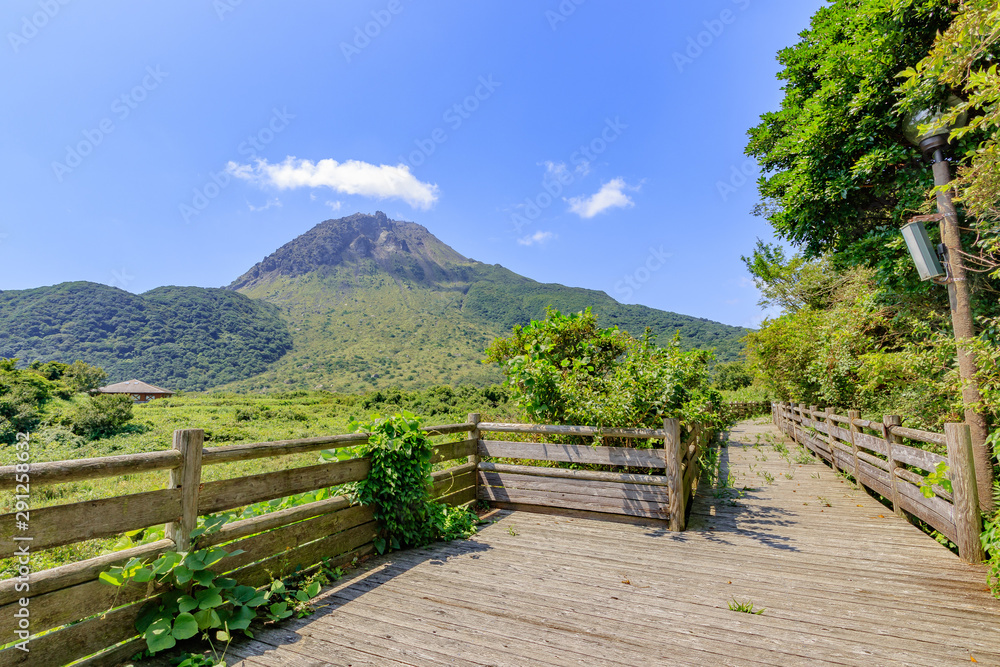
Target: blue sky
[[592, 144]]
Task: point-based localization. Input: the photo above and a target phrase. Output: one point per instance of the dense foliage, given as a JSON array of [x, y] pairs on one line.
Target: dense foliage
[[398, 487], [567, 370], [181, 337]]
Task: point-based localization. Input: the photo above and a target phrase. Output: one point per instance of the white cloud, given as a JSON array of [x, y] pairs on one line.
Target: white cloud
[[611, 195], [537, 238], [270, 203], [351, 177], [334, 205]]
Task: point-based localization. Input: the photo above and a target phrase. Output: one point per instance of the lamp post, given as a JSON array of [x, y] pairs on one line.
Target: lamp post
[[934, 146]]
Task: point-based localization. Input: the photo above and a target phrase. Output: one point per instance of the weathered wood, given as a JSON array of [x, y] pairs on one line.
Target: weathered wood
[[614, 456], [873, 460], [870, 442], [675, 473], [593, 475], [275, 542], [642, 433], [447, 429], [475, 435], [69, 644], [240, 491], [79, 572], [187, 479], [282, 564], [937, 513], [259, 524], [259, 450], [888, 421], [851, 416], [918, 480], [961, 471], [446, 484], [454, 450], [658, 494], [458, 497], [573, 501], [66, 524], [116, 656], [919, 458], [830, 439], [920, 436], [874, 478], [61, 472]]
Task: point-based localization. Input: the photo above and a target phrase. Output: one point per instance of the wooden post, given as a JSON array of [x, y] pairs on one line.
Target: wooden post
[[962, 471], [187, 477], [851, 416], [812, 417], [673, 456], [887, 422], [474, 458], [830, 439]]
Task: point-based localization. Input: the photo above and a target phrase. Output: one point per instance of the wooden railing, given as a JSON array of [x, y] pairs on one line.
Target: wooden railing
[[663, 496], [274, 544], [73, 614], [874, 454]]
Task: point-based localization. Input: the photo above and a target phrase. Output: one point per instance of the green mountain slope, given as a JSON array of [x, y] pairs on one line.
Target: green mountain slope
[[180, 337], [373, 302]]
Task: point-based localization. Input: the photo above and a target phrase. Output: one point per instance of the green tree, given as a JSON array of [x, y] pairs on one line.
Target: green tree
[[102, 415], [732, 376]]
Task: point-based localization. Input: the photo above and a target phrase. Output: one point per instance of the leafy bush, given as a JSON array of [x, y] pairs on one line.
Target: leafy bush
[[397, 488], [102, 415], [566, 370], [733, 376]]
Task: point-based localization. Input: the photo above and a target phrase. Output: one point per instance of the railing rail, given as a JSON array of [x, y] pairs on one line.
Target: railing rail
[[881, 462]]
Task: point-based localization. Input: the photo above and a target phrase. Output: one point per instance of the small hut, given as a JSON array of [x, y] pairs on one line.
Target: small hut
[[141, 392]]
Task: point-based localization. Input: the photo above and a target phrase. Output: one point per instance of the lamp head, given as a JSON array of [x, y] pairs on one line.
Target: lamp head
[[935, 138]]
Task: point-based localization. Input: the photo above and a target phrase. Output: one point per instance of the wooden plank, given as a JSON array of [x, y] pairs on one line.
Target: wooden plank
[[610, 432], [240, 491], [454, 450], [873, 461], [874, 478], [613, 456], [918, 458], [870, 442], [91, 519], [452, 483], [571, 513], [61, 472], [841, 433], [282, 564], [119, 655], [658, 494], [934, 511], [918, 480], [76, 641], [259, 524], [79, 572], [448, 429], [594, 475], [459, 497], [69, 605], [574, 501], [187, 478], [920, 436], [258, 450], [277, 541]]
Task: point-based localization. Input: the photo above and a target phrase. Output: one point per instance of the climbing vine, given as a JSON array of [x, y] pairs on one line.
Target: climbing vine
[[398, 487]]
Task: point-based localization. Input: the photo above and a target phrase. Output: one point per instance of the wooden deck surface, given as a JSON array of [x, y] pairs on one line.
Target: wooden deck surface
[[842, 581]]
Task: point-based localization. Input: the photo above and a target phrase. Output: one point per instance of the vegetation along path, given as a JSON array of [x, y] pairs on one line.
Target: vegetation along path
[[839, 579]]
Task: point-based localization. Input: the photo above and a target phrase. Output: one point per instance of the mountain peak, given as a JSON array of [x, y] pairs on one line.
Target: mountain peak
[[403, 249]]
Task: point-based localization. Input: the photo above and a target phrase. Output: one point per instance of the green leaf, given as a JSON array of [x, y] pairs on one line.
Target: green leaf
[[187, 603], [185, 626], [142, 575], [159, 635], [112, 578], [204, 577], [313, 589], [207, 618], [210, 597], [182, 574], [241, 618]]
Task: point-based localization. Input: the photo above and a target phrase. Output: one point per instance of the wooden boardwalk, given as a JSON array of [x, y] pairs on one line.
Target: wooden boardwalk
[[842, 581]]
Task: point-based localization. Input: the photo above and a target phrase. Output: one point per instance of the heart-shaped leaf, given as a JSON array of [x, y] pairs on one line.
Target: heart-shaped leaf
[[185, 626]]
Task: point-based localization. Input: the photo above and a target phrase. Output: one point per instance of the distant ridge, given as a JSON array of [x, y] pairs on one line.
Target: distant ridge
[[355, 303]]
